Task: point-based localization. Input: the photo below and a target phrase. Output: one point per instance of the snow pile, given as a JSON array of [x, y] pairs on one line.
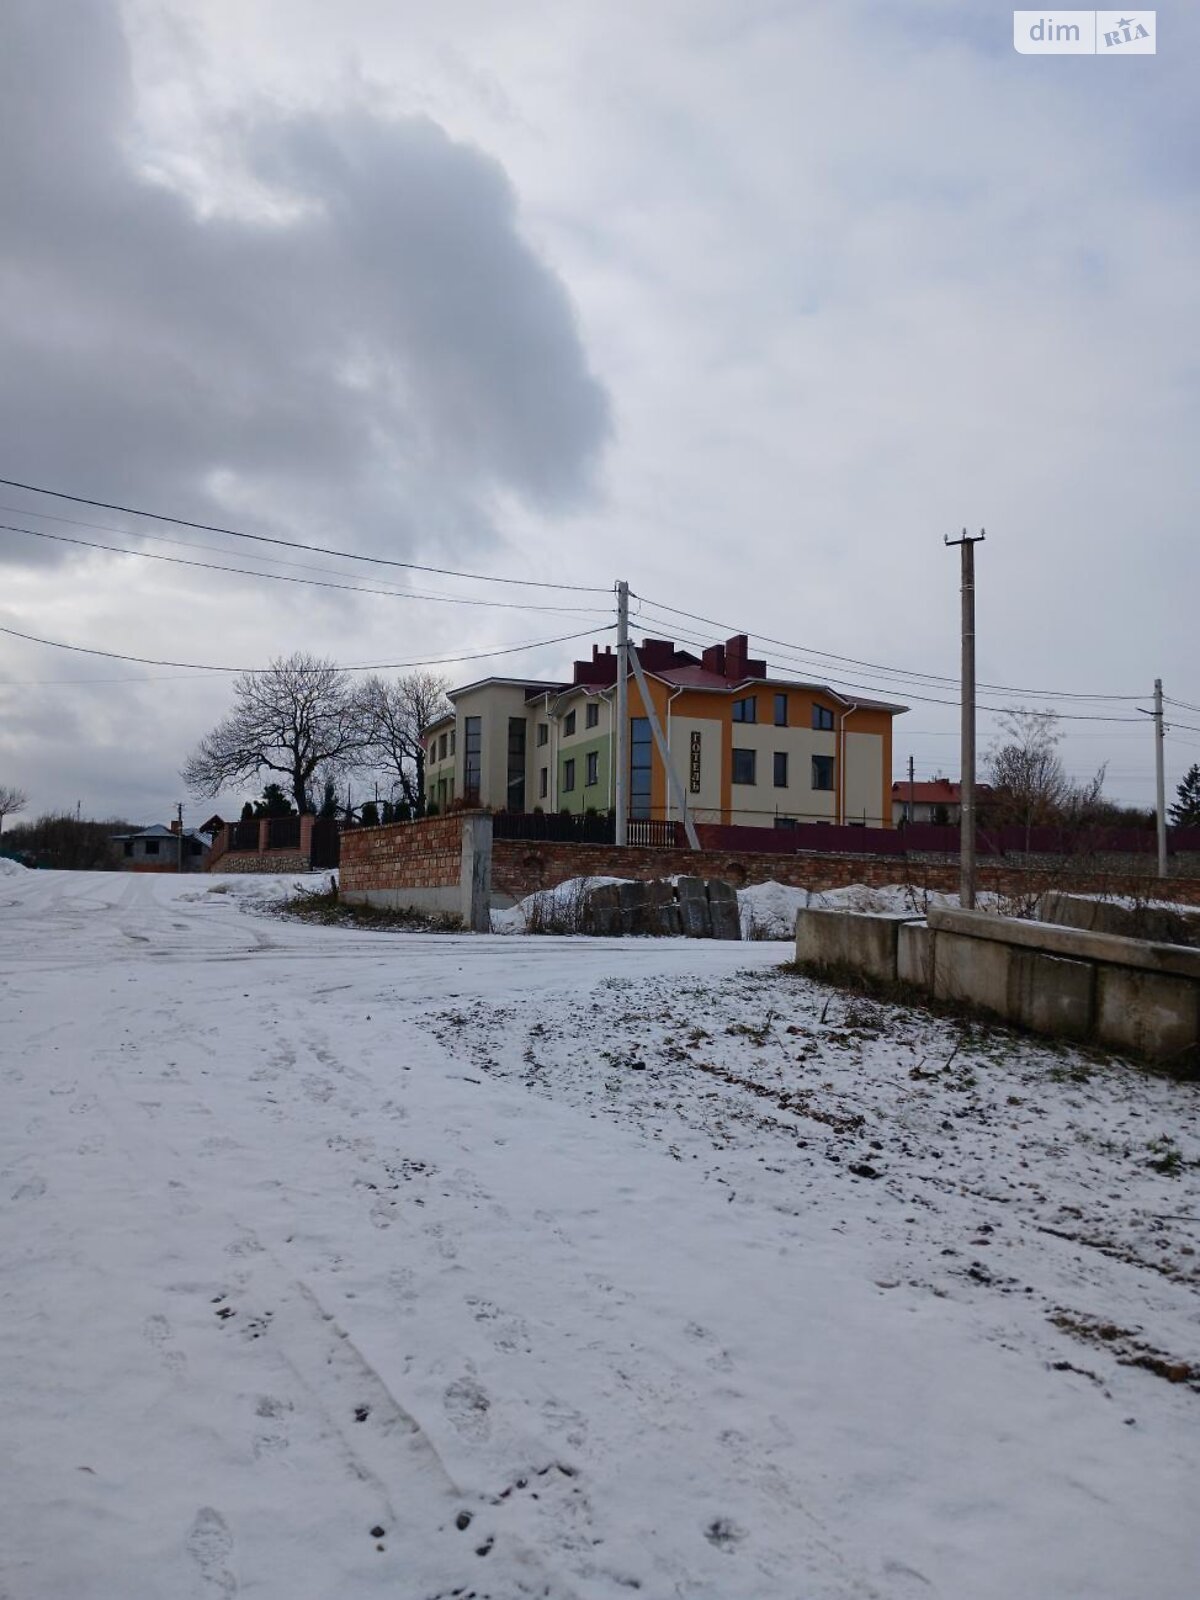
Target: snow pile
[[549, 909], [10, 868], [265, 888]]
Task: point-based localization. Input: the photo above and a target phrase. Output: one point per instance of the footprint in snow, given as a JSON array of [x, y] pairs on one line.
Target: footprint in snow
[[210, 1545], [467, 1406]]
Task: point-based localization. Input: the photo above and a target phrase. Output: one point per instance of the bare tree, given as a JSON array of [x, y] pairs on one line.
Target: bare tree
[[12, 800], [399, 709], [1030, 787], [300, 714]]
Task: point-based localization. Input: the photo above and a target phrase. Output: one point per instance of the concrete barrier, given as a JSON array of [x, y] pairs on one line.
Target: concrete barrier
[[1128, 994], [862, 941], [1162, 924]]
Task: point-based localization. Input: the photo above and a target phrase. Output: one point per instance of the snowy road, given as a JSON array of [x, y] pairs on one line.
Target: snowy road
[[351, 1264]]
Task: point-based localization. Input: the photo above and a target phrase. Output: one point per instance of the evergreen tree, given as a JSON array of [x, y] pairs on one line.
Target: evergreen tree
[[369, 814], [1185, 813]]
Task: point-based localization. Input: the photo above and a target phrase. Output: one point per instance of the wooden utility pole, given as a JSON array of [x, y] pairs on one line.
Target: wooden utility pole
[[912, 792], [179, 847], [966, 827]]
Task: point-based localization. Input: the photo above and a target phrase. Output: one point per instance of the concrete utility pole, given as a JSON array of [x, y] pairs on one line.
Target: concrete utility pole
[[966, 828], [621, 785], [1160, 788]]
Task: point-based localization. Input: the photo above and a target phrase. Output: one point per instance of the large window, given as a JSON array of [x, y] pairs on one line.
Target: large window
[[781, 711], [822, 772], [781, 769], [640, 747], [472, 759], [785, 822], [442, 748], [591, 715], [823, 720], [150, 846], [543, 783], [593, 769], [745, 766], [745, 710], [543, 733], [516, 764], [568, 724], [568, 782]]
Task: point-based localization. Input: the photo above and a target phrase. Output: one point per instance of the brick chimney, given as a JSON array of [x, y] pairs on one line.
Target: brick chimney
[[176, 825]]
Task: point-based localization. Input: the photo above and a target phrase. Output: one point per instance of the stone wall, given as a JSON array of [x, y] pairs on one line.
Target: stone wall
[[260, 861]]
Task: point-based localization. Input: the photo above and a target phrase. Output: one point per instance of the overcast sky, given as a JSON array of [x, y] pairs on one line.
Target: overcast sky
[[749, 303]]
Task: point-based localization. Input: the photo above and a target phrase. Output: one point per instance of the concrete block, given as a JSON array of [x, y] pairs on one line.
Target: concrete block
[[863, 941], [1173, 959], [723, 910], [972, 971], [632, 898], [603, 912], [695, 918], [915, 947], [1051, 994], [1159, 924], [689, 888], [665, 920], [1148, 1013]]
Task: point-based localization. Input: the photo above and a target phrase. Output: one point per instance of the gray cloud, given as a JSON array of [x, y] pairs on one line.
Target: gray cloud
[[379, 356]]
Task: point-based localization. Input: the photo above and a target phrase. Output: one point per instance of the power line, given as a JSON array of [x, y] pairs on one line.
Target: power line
[[832, 681], [295, 544], [378, 666], [283, 577], [875, 666]]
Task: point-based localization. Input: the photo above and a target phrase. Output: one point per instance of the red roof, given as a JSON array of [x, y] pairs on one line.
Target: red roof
[[936, 791]]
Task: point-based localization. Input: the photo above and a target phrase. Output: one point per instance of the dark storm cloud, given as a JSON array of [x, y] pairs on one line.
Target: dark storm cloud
[[380, 355]]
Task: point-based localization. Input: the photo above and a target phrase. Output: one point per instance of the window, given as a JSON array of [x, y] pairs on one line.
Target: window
[[151, 846], [442, 748], [593, 769], [568, 782], [472, 758], [745, 710], [781, 769], [128, 847], [781, 711], [822, 772], [785, 822], [639, 766], [452, 741], [515, 793], [568, 724], [591, 717], [543, 783], [823, 722], [543, 734], [744, 762]]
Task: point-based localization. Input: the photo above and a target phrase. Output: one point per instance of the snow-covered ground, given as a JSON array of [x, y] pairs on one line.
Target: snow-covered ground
[[349, 1264]]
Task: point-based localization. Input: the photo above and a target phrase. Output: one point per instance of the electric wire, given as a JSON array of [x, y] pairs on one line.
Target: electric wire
[[283, 577], [833, 680], [875, 666], [378, 666], [296, 544]]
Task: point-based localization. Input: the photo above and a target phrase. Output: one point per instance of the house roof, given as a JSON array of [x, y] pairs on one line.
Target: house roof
[[936, 791], [157, 831]]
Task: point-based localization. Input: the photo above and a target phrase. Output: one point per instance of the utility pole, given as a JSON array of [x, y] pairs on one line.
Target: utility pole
[[912, 793], [966, 829], [621, 786], [1160, 790], [179, 842]]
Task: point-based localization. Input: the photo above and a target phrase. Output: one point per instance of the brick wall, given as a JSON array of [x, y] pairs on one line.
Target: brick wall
[[403, 855], [520, 867]]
